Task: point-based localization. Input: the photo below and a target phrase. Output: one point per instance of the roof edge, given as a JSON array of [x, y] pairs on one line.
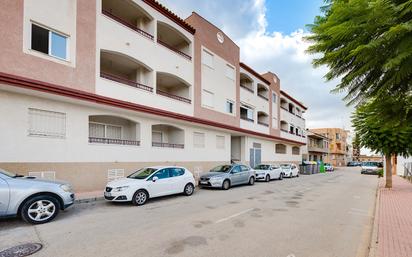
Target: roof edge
[[293, 99], [249, 69]]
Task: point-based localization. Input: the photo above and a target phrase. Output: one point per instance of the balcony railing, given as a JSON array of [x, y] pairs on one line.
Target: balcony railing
[[264, 97], [247, 119], [284, 108], [125, 81], [263, 123], [112, 141], [176, 97], [127, 24], [167, 145], [248, 89], [174, 49], [284, 130]]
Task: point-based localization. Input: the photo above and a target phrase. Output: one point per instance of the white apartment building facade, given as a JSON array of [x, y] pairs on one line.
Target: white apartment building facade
[[93, 90]]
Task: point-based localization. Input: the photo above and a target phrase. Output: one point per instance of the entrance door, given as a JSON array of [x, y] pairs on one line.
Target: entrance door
[[255, 157]]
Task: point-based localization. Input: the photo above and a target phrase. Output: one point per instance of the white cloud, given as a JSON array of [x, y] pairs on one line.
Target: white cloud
[[245, 22]]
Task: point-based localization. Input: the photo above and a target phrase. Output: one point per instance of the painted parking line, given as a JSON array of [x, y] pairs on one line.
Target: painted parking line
[[234, 215]]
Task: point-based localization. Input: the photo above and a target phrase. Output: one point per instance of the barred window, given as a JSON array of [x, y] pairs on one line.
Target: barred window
[[47, 123], [220, 142], [199, 140]]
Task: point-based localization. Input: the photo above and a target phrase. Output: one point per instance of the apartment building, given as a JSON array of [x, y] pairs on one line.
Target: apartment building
[[318, 146], [338, 145], [93, 90]]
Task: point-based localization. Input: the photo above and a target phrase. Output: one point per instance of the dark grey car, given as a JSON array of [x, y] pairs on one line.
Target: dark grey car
[[225, 176]]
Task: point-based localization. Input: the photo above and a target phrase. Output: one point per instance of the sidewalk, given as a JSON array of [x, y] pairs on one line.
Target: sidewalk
[[394, 219]]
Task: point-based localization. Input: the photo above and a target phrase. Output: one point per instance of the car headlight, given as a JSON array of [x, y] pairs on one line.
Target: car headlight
[[66, 188], [118, 189]]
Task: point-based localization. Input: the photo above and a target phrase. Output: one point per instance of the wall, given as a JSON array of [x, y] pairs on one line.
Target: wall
[[77, 19]]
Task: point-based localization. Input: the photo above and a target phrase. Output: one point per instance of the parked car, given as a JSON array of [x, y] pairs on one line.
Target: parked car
[[290, 170], [225, 176], [329, 167], [371, 168], [353, 164], [267, 172], [36, 201], [150, 182]]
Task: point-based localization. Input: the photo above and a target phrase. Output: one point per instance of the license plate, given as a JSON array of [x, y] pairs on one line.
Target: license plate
[[203, 182], [107, 194]]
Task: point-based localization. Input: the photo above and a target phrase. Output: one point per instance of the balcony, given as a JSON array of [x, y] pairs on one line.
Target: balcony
[[130, 15], [125, 70], [113, 130], [263, 119], [167, 136], [263, 92], [174, 40], [173, 87], [246, 82]]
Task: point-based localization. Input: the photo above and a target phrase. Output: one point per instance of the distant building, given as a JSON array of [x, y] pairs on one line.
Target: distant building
[[338, 146], [317, 146], [370, 158]]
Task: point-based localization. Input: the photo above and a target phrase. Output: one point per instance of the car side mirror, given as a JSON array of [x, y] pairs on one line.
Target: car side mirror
[[154, 179]]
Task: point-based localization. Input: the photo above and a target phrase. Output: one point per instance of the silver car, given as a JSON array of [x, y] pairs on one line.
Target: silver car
[[225, 176], [36, 201]]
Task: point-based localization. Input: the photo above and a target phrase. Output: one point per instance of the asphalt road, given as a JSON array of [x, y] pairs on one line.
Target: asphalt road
[[317, 215]]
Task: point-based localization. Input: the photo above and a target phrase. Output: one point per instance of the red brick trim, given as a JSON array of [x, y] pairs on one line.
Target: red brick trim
[[171, 15], [31, 84], [244, 66], [293, 99]]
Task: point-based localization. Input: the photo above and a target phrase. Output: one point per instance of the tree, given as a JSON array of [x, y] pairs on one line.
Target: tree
[[367, 44], [389, 138]]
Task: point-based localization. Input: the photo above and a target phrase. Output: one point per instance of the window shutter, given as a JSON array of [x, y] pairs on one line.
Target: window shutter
[[47, 123], [220, 142], [198, 140], [96, 130]]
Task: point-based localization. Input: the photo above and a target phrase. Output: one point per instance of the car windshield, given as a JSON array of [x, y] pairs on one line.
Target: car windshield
[[285, 165], [142, 173], [8, 174], [262, 167], [222, 168], [370, 164]]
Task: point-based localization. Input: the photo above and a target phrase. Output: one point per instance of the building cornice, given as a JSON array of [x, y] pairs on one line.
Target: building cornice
[[252, 71], [293, 99], [171, 15], [41, 86]]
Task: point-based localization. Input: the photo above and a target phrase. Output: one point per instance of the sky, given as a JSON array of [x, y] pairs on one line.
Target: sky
[[270, 36]]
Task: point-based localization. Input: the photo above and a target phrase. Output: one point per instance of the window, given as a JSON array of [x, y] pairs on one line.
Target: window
[[236, 169], [291, 129], [229, 106], [49, 42], [295, 150], [220, 142], [246, 113], [114, 174], [337, 136], [279, 148], [99, 130], [175, 172], [230, 72], [47, 123], [157, 136], [48, 175], [199, 140], [208, 98], [273, 97], [244, 168], [162, 174], [207, 58]]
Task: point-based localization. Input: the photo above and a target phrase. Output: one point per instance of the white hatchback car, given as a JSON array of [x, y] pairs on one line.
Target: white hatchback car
[[290, 170], [267, 172], [150, 182]]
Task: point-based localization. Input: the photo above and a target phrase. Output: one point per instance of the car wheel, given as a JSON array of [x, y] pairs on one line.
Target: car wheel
[[140, 197], [297, 175], [189, 189], [281, 176], [251, 181], [40, 209], [226, 185], [267, 179]]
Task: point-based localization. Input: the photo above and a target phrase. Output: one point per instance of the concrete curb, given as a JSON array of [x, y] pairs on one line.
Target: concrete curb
[[373, 243], [88, 200]]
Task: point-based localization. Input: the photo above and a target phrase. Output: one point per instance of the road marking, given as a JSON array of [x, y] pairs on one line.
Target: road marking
[[235, 215], [358, 210]]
